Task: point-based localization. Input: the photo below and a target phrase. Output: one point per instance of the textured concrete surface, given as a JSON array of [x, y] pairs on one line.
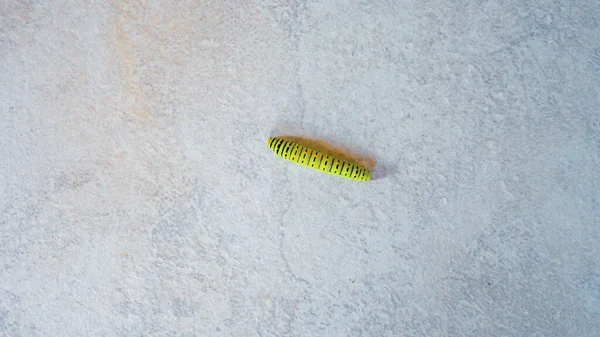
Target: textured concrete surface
[[138, 196]]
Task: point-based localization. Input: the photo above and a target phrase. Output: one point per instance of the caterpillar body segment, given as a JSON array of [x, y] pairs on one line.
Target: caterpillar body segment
[[306, 156]]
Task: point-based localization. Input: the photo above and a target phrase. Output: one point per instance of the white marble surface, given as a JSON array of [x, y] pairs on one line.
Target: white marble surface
[[138, 196]]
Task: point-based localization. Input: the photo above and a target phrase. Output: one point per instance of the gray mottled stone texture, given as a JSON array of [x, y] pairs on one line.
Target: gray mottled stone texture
[[138, 196]]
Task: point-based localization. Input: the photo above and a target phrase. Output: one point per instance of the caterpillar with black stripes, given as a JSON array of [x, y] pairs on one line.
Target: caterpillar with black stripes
[[319, 160]]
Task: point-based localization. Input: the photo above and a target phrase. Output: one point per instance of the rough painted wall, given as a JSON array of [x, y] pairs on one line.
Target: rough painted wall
[[138, 196]]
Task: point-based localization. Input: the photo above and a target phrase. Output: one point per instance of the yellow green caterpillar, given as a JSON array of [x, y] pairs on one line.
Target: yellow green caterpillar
[[312, 158]]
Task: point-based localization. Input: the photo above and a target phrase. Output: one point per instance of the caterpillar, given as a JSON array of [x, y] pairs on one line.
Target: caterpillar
[[312, 158]]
